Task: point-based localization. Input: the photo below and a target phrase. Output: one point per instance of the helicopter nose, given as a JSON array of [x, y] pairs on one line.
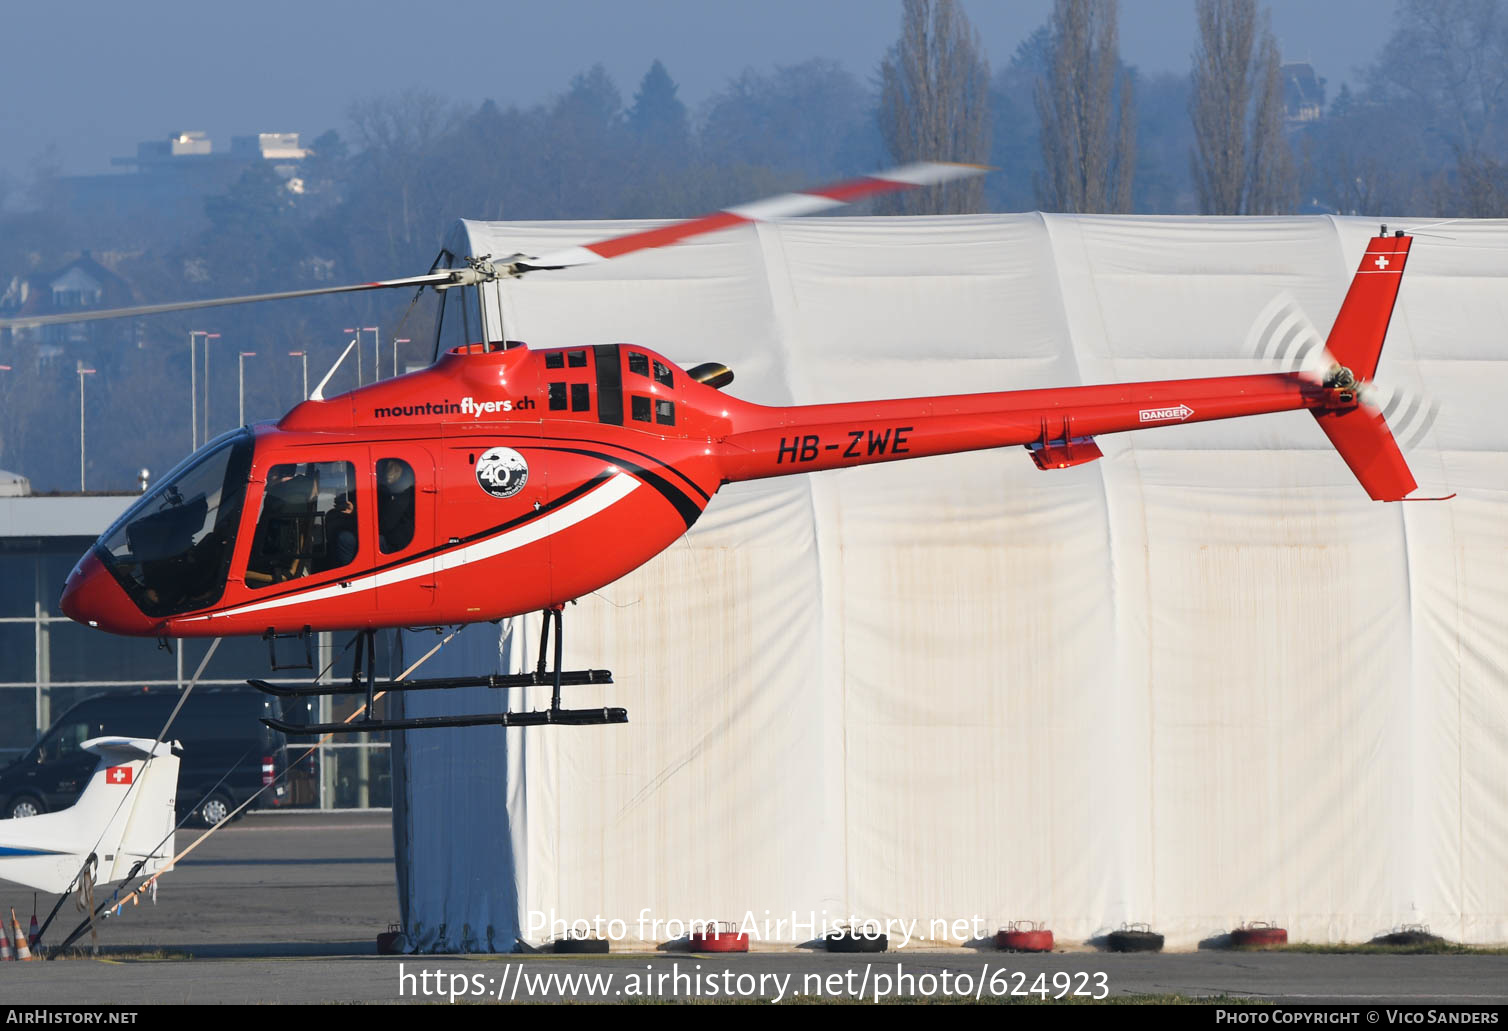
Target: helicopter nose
[[92, 597]]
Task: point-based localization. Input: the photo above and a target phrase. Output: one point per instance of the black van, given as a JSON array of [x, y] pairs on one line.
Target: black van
[[218, 728]]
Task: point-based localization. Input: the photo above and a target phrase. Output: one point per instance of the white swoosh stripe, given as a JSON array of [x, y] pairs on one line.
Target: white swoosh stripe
[[605, 496]]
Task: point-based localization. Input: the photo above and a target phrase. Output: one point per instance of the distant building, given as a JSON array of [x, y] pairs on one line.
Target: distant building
[[179, 144], [1303, 93], [269, 146], [169, 179], [81, 285]]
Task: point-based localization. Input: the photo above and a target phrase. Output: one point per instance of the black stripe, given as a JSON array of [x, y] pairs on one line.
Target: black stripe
[[609, 384], [528, 517], [689, 510], [642, 454]]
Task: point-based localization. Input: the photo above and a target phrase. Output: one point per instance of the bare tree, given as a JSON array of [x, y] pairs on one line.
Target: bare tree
[[934, 103], [1241, 159], [1352, 160], [1271, 179], [399, 138], [1445, 69], [1085, 107]]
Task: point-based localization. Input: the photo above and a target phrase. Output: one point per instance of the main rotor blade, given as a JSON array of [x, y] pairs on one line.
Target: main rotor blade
[[430, 279], [906, 177]]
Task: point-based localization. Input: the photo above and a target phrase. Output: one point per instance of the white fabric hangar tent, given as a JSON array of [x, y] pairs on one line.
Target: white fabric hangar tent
[[1199, 682]]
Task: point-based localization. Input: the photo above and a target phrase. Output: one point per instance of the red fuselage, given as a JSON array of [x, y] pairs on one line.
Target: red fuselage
[[505, 480]]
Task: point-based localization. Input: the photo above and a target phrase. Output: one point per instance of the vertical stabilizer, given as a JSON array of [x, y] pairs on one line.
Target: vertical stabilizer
[[125, 816], [1362, 325], [1361, 435]]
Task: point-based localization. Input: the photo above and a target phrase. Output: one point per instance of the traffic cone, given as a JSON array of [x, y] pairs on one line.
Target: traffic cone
[[5, 953], [22, 952], [34, 934]]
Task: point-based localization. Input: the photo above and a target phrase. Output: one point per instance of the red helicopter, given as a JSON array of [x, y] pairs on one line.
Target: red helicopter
[[505, 479]]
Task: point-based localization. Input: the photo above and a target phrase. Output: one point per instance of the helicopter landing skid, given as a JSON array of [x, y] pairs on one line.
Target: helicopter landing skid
[[555, 715], [537, 718], [499, 681]]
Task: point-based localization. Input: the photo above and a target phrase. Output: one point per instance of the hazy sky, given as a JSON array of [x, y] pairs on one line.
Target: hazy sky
[[94, 77]]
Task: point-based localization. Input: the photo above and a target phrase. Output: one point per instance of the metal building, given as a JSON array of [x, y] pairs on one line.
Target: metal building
[[1201, 681], [48, 662]]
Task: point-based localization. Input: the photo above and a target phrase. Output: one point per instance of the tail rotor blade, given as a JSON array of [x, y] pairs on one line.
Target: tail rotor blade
[[1409, 415], [1283, 333]]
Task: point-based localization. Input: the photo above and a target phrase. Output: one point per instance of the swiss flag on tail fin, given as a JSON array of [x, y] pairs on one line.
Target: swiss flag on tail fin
[[118, 775], [1356, 338]]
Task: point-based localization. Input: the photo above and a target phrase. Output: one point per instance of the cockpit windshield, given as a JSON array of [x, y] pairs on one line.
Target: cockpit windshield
[[171, 550]]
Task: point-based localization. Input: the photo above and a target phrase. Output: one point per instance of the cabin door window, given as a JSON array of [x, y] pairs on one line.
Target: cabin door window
[[308, 524]]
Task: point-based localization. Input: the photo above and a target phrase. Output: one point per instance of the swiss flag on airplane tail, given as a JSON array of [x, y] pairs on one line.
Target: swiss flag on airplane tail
[[119, 774]]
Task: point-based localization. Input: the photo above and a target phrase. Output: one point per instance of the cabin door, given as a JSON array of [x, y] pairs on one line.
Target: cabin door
[[403, 502]]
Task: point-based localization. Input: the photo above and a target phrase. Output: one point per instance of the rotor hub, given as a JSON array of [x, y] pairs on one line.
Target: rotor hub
[[1340, 378]]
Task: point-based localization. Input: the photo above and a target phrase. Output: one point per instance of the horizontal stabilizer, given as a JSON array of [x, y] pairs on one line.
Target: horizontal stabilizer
[[1060, 454], [124, 749]]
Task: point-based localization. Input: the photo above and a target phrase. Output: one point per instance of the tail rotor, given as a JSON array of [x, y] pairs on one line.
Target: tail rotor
[[1282, 334]]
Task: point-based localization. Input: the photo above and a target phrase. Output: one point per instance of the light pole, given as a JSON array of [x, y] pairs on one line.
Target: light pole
[[193, 390], [396, 342], [241, 387], [376, 351], [358, 353], [207, 338], [82, 373], [305, 356]]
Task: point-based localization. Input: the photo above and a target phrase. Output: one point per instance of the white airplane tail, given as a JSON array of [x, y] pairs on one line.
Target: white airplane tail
[[125, 815]]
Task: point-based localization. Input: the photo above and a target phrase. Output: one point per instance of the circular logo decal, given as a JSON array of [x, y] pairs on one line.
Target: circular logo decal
[[502, 472]]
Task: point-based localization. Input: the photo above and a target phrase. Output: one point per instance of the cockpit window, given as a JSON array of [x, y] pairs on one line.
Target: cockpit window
[[307, 524], [171, 550]]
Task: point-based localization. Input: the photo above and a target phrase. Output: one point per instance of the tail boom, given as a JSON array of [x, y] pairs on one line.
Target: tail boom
[[813, 438], [1059, 425]]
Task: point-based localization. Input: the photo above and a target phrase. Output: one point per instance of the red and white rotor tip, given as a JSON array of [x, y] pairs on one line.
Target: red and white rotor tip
[[787, 205]]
